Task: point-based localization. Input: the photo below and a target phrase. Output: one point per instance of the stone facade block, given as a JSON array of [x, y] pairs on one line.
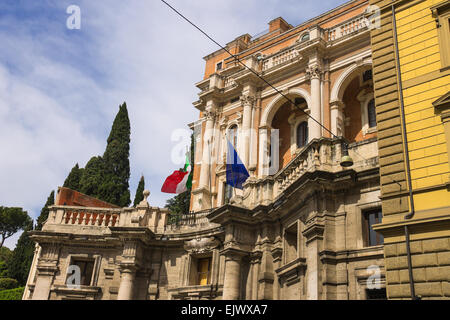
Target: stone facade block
[[430, 289], [438, 274], [444, 258], [435, 245], [424, 260], [390, 250], [419, 275], [446, 288], [395, 263], [398, 291], [393, 277]]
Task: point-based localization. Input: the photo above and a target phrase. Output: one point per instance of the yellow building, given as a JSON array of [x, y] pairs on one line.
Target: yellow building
[[411, 67]]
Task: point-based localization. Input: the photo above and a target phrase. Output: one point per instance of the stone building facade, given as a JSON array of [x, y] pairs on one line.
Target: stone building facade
[[302, 226]]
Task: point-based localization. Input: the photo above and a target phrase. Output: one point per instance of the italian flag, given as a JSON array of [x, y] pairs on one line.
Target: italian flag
[[179, 181]]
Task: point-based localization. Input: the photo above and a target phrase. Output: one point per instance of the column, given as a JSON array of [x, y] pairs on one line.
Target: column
[[231, 283], [207, 139], [126, 288], [247, 102], [46, 270], [44, 280], [314, 128], [337, 118], [263, 162]]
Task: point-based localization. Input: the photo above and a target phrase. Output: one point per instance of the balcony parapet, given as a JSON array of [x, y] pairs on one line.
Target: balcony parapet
[[191, 222], [322, 155], [348, 27]]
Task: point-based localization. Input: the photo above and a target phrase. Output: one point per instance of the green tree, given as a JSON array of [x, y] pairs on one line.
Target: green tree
[[73, 179], [139, 192], [11, 221], [45, 211], [116, 164], [92, 177], [5, 256], [20, 263]]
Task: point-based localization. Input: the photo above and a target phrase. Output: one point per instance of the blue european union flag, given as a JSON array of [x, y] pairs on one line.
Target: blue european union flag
[[237, 174]]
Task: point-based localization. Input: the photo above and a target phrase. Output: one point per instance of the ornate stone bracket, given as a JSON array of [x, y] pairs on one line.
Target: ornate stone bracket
[[201, 245]]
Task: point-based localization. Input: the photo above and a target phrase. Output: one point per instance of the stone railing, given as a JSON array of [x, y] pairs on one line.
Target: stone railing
[[320, 154], [228, 82], [348, 27], [70, 215], [283, 56], [80, 219], [190, 221]]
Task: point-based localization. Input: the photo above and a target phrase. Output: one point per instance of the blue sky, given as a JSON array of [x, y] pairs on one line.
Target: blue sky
[[60, 89]]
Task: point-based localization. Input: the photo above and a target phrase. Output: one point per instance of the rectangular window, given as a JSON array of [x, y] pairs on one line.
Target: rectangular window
[[370, 218], [204, 271], [200, 273], [441, 12], [219, 66], [227, 193], [86, 270], [376, 294]]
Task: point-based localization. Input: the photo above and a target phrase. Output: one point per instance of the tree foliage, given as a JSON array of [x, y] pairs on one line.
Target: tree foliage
[[45, 211], [106, 178], [22, 257], [8, 283], [73, 179], [139, 196], [92, 177], [12, 294], [115, 188], [5, 256], [11, 221]]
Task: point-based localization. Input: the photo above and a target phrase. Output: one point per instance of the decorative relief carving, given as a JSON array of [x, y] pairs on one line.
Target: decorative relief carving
[[200, 245], [209, 114], [223, 123], [247, 100], [239, 117], [313, 72]]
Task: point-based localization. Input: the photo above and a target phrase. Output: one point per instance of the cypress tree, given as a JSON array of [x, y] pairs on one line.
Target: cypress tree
[[116, 164], [73, 179], [139, 192], [92, 177], [20, 263], [45, 211]]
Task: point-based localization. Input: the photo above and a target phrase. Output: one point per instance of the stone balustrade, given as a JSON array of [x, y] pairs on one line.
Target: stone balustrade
[[283, 56], [320, 154], [83, 216], [191, 221], [347, 27]]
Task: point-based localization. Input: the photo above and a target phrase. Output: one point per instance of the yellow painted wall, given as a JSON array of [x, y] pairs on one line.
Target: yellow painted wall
[[419, 56]]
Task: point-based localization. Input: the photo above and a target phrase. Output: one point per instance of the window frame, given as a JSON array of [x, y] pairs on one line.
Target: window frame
[[441, 12], [306, 138], [367, 228], [96, 259]]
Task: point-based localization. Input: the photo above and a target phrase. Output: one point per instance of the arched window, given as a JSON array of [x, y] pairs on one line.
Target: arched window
[[371, 114], [302, 134], [304, 37], [232, 135]]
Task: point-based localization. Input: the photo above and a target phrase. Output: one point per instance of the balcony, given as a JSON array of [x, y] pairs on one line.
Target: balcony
[[348, 27], [322, 155], [191, 221]]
